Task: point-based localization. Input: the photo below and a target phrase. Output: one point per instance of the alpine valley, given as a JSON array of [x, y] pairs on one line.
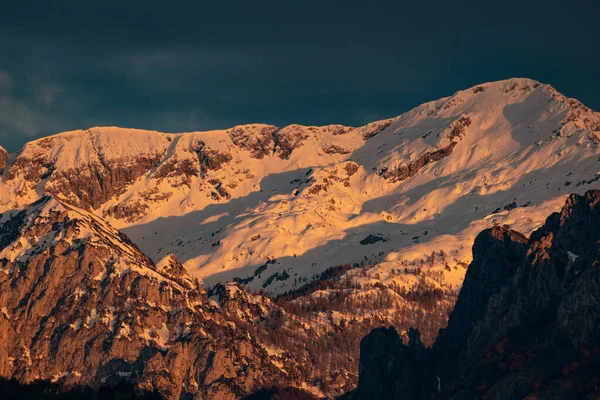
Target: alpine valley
[[251, 261]]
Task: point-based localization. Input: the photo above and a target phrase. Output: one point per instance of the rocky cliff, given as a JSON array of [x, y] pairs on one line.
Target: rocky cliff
[[82, 306], [388, 367], [526, 322]]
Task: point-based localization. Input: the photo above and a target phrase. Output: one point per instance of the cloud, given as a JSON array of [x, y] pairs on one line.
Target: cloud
[[48, 93], [5, 81], [18, 118], [177, 70], [26, 116], [15, 116]]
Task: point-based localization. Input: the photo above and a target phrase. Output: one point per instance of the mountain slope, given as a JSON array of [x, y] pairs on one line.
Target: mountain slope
[[353, 228], [81, 305], [274, 207]]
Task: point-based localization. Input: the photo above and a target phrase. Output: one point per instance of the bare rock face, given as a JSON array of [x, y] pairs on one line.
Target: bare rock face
[[210, 160], [234, 300], [526, 323], [257, 139], [177, 167], [171, 266], [389, 368], [33, 169], [100, 182], [272, 322], [86, 167], [3, 157], [81, 305], [497, 254], [133, 210], [453, 135], [213, 159], [290, 138], [88, 186], [335, 149], [375, 128], [130, 211]]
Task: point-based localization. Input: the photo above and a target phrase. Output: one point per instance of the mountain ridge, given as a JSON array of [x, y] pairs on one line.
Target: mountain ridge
[[82, 306], [276, 249], [212, 190]]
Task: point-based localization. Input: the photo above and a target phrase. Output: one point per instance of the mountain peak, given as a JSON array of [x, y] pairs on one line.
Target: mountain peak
[[52, 219], [490, 149]]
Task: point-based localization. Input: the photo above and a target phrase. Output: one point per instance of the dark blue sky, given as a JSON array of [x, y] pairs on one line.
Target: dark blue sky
[[199, 65]]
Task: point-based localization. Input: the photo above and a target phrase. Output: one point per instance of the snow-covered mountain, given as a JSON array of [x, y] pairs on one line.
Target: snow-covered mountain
[[110, 233], [273, 207]]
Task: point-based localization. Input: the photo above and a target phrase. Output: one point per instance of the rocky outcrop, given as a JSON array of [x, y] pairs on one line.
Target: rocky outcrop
[[133, 210], [335, 149], [32, 169], [92, 185], [388, 368], [177, 167], [210, 160], [351, 168], [86, 167], [526, 323], [405, 171], [497, 254], [257, 139], [82, 306], [453, 135], [375, 128], [372, 239], [288, 139], [577, 115]]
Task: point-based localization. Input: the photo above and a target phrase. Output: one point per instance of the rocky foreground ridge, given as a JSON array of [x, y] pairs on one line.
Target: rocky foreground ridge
[[526, 323], [82, 306]]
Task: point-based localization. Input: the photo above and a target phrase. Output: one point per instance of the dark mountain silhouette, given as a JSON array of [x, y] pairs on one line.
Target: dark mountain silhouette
[[45, 390], [526, 323]]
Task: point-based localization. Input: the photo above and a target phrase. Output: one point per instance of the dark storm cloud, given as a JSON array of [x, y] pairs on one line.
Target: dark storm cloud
[[187, 66]]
